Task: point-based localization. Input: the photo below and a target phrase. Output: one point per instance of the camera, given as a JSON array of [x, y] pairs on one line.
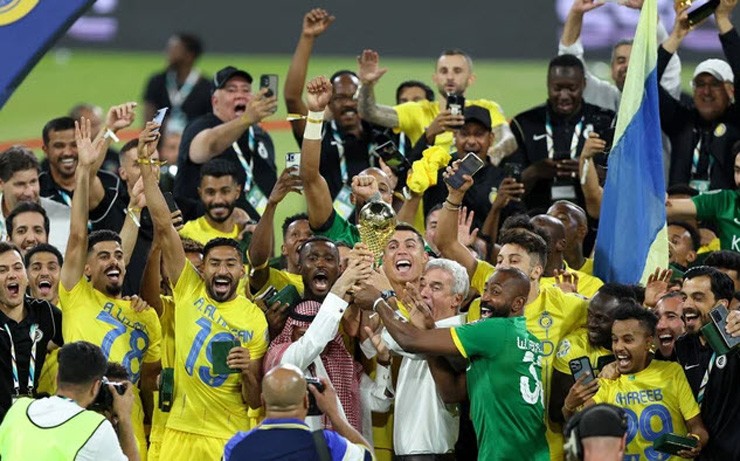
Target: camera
[[313, 408], [455, 103], [387, 150], [104, 400]]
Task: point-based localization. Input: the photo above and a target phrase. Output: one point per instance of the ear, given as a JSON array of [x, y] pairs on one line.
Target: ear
[[581, 232], [457, 301], [560, 245], [536, 272], [122, 173], [517, 306], [472, 79], [491, 138], [691, 256], [87, 271]]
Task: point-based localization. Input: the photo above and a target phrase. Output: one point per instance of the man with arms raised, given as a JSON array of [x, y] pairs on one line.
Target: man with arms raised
[[90, 294], [208, 408]]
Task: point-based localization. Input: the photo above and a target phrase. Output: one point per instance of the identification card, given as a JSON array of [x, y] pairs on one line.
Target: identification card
[[342, 204], [563, 192], [700, 185], [257, 199]]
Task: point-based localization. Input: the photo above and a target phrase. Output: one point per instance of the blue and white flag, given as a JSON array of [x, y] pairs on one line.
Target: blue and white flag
[[28, 28], [632, 239]]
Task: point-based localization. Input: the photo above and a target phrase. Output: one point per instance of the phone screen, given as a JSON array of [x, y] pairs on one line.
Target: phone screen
[[269, 81], [159, 116], [469, 166], [581, 366]]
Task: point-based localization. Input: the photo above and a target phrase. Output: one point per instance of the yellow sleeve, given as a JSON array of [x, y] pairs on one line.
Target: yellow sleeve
[[189, 230], [77, 296], [483, 270], [686, 401], [188, 281], [154, 330], [588, 285], [575, 307], [473, 311], [497, 114], [567, 350]]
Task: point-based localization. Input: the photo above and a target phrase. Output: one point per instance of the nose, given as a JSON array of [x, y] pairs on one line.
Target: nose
[[661, 323]]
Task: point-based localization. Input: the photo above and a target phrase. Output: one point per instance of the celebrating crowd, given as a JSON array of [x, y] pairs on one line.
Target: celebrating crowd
[[436, 301]]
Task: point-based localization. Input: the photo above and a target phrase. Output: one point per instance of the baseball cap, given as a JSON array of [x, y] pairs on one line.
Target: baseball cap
[[227, 73], [602, 420], [717, 68], [478, 114]]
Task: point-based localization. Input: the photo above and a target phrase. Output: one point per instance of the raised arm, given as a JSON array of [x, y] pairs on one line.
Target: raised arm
[[592, 191], [169, 239], [130, 229], [315, 22], [263, 238], [729, 37], [213, 141], [152, 277], [446, 239], [509, 190], [574, 21], [76, 253], [683, 208], [369, 74], [318, 197]]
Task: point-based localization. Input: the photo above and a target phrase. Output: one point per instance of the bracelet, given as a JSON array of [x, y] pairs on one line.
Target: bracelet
[[149, 161], [450, 206], [375, 304], [694, 436], [314, 123], [458, 205], [131, 212], [110, 134]]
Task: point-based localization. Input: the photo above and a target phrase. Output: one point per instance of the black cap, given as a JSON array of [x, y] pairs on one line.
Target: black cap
[[478, 114], [602, 420], [227, 73]]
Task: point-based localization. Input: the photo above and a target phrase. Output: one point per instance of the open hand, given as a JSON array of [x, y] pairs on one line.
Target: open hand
[[88, 151], [369, 71]]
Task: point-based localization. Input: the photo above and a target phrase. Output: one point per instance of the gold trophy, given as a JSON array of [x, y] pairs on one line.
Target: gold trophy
[[377, 223]]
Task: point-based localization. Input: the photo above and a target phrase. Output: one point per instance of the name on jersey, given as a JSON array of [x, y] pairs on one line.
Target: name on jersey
[[209, 311], [639, 397], [117, 313], [527, 344]]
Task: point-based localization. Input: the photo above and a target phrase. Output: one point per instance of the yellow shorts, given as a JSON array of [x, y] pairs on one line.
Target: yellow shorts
[[184, 446], [154, 449]]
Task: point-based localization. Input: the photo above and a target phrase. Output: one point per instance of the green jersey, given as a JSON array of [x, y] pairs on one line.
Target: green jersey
[[339, 229], [505, 389], [721, 207]]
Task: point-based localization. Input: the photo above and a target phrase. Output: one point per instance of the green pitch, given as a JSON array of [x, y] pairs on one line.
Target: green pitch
[[64, 78]]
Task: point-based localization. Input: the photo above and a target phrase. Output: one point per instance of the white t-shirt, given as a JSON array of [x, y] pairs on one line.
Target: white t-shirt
[[103, 444]]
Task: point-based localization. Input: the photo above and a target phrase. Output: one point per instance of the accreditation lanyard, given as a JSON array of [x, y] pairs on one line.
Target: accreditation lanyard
[[248, 166], [705, 380], [573, 142], [179, 95], [402, 143], [35, 335], [339, 143], [696, 159]]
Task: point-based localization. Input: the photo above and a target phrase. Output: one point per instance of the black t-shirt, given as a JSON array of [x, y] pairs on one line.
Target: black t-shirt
[[197, 103], [720, 408], [356, 153], [49, 322], [112, 185], [188, 172]]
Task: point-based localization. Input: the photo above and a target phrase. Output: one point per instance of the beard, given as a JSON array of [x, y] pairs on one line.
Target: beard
[[220, 219], [113, 290]]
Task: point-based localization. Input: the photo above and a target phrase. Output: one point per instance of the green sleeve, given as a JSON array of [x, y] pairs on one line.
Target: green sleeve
[[339, 229], [483, 338], [709, 205]]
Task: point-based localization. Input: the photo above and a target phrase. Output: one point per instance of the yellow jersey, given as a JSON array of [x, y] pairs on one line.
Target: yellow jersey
[[415, 116], [202, 232], [167, 319], [128, 337], [588, 285], [588, 266], [207, 404], [576, 345], [657, 400]]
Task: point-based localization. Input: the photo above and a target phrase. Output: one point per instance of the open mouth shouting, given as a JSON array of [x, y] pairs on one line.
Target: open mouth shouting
[[239, 109], [68, 163], [222, 286], [44, 288], [14, 289], [320, 282], [624, 362], [114, 276]]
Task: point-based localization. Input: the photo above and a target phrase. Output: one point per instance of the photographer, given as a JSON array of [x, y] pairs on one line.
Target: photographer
[[67, 429], [286, 403]]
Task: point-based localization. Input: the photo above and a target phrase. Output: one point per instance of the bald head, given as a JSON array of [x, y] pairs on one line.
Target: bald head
[[514, 280], [284, 390]]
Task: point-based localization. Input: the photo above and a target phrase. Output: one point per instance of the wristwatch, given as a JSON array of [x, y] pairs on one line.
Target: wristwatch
[[387, 294]]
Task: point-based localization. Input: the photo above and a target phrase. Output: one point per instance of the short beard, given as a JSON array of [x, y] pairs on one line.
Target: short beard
[[113, 290], [222, 219], [219, 298]]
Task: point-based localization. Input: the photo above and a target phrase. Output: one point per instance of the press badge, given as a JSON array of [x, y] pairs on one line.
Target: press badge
[[257, 199], [563, 192], [342, 204]]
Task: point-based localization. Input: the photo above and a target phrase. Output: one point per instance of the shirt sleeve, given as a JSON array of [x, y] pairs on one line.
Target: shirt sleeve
[[342, 449], [409, 115], [76, 296], [563, 356], [188, 280], [257, 346], [103, 444], [56, 317], [322, 330], [483, 338], [154, 332], [483, 270]]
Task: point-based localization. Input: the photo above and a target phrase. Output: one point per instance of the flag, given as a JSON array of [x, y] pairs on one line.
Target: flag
[[632, 239], [28, 28]]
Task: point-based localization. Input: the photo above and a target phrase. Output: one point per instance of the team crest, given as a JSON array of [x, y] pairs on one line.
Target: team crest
[[14, 10], [545, 320], [564, 348], [721, 361], [720, 130]]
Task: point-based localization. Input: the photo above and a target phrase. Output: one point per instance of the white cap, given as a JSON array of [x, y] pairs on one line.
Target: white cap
[[717, 68]]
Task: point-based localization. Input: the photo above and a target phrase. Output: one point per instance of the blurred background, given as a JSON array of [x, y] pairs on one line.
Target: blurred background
[[111, 51]]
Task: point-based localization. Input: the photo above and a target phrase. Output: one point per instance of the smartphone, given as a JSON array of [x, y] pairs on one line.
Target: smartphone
[[170, 199], [581, 366], [313, 408], [456, 103], [673, 443], [513, 170], [703, 12], [716, 335], [159, 116], [219, 352], [269, 81], [166, 389], [293, 159], [469, 166], [392, 157], [288, 294]]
